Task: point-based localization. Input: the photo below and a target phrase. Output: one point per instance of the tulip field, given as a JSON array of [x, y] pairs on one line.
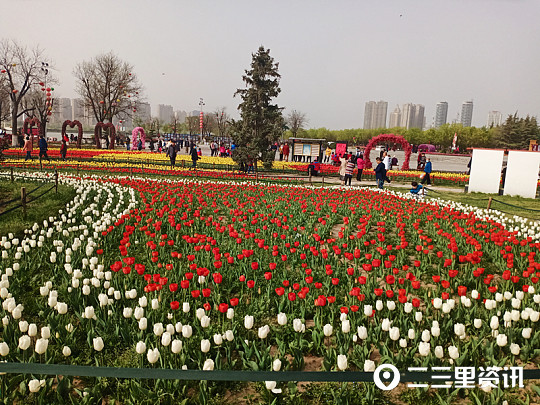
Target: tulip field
[[219, 275]]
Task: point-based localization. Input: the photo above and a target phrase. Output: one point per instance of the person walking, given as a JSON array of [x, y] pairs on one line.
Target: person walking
[[380, 173], [139, 145], [360, 164], [194, 156], [349, 169], [342, 169], [171, 152], [43, 147], [63, 149], [28, 147], [427, 172], [286, 151]]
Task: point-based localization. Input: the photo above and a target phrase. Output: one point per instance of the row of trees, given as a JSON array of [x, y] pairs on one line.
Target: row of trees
[[514, 133]]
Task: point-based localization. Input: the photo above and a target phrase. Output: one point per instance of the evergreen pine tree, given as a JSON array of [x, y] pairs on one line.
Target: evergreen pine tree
[[261, 122]]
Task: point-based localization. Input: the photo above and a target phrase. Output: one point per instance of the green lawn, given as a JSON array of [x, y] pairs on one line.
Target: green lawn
[[17, 221]]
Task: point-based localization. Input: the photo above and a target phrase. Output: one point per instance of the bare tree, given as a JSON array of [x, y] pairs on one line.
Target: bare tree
[[222, 121], [296, 120], [40, 107], [209, 124], [108, 87], [21, 69], [193, 125], [4, 100]]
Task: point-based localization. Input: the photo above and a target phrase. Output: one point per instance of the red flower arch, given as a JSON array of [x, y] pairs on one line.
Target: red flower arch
[[72, 124], [97, 134], [390, 138], [138, 131], [31, 122]]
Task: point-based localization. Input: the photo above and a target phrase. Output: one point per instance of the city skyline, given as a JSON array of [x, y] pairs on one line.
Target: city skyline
[[325, 74]]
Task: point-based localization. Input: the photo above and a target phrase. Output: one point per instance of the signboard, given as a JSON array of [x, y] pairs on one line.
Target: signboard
[[306, 150], [341, 148], [522, 173], [486, 168]]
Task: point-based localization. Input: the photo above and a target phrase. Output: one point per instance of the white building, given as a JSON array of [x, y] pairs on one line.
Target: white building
[[375, 114], [395, 118], [494, 118], [165, 113], [466, 113], [143, 111], [441, 114]]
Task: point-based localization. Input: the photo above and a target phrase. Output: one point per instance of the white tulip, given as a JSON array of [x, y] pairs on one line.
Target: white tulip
[[187, 331], [520, 295], [127, 312], [218, 339], [140, 348], [282, 319], [98, 344], [299, 326], [176, 346], [143, 323], [507, 295], [205, 345], [138, 313], [199, 313], [403, 343], [89, 312], [502, 340], [66, 351], [346, 326], [453, 352], [35, 385], [328, 330], [515, 349], [23, 326], [152, 355], [411, 334], [534, 316], [263, 331], [158, 329], [362, 332], [526, 333], [424, 348], [205, 321], [379, 305], [270, 385], [494, 322], [230, 313], [155, 304], [208, 365], [437, 303], [418, 316], [248, 321], [185, 307], [386, 324], [166, 339], [439, 352], [394, 333], [45, 332], [41, 346], [477, 323], [143, 301], [276, 365], [24, 342], [369, 366], [229, 335], [342, 362], [408, 307], [426, 336], [4, 349], [368, 310], [69, 327], [391, 305], [459, 329]]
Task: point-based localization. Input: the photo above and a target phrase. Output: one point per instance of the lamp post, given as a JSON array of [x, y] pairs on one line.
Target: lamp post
[[201, 104], [48, 101]]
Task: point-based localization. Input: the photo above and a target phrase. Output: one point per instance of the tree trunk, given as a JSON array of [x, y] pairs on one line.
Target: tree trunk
[[14, 132]]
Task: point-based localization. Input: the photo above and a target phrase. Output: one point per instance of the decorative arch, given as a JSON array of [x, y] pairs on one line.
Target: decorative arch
[[134, 136], [391, 138], [32, 122], [97, 134], [72, 124]]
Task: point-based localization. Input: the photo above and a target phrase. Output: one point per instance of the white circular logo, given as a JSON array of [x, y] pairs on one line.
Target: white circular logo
[[386, 375]]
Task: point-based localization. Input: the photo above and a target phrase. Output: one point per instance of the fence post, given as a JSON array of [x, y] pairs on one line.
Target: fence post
[[257, 177], [323, 180], [310, 179], [23, 200], [12, 179], [56, 181], [489, 203]]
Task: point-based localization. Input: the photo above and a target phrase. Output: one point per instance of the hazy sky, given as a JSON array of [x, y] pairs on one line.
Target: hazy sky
[[333, 55]]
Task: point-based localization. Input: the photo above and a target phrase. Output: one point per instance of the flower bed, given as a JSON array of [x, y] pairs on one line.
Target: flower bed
[[209, 275]]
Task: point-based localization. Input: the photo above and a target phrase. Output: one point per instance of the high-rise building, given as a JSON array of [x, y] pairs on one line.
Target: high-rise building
[[466, 113], [441, 114], [77, 110], [61, 110], [419, 118], [165, 113], [375, 114], [395, 118], [494, 118], [180, 115], [143, 112]]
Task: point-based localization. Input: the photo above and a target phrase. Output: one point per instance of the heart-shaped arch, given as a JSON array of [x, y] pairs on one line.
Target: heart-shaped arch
[[134, 134], [73, 124], [32, 122], [383, 138], [97, 134]]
